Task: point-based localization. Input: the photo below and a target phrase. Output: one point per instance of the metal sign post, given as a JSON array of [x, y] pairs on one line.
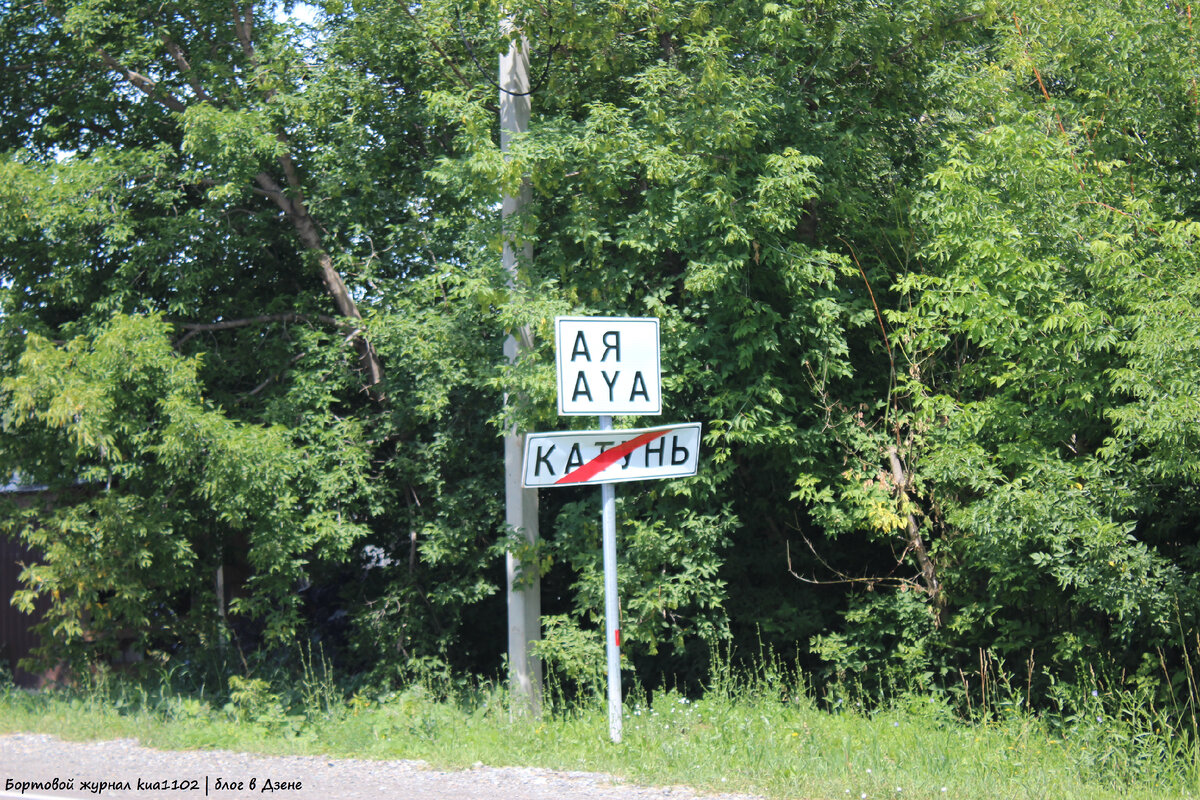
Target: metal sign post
[[612, 609]]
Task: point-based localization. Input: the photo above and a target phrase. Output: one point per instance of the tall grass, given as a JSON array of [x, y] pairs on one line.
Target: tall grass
[[762, 728]]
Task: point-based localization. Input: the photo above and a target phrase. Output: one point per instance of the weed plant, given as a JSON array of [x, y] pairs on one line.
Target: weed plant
[[761, 728]]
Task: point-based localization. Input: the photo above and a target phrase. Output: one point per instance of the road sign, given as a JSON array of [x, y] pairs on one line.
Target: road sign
[[608, 365], [575, 458]]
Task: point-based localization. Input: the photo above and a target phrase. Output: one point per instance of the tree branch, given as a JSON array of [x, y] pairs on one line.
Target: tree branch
[[243, 28], [185, 69], [142, 83], [289, 167], [904, 48], [432, 43], [843, 578], [194, 328], [310, 237], [268, 187], [272, 378]]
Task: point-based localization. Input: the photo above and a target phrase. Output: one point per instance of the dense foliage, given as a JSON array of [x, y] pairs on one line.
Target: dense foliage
[[925, 271]]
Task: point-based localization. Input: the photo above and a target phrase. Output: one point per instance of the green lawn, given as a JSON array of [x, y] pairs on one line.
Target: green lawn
[[765, 739]]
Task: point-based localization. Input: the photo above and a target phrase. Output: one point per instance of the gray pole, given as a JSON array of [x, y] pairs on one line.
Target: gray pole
[[612, 608], [521, 505]]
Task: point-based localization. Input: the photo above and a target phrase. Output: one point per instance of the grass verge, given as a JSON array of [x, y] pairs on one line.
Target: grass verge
[[763, 735]]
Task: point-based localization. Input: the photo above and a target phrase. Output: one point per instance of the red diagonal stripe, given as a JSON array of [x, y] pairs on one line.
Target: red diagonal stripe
[[609, 457]]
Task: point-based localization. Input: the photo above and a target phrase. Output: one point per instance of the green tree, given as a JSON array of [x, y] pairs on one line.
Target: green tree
[[221, 189], [718, 166], [1044, 391], [924, 271]]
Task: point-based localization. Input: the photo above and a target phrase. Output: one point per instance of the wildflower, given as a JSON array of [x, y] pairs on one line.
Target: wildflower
[[1095, 693]]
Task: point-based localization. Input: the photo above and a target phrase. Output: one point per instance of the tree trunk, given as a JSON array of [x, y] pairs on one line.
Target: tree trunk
[[310, 238], [929, 578], [293, 207]]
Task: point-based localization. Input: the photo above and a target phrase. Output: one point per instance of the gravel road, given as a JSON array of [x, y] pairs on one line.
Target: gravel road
[[38, 767]]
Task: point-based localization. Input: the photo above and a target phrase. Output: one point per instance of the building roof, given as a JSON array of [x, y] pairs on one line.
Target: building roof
[[18, 484]]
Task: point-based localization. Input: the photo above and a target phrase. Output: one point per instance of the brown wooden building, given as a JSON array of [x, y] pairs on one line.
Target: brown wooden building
[[17, 638]]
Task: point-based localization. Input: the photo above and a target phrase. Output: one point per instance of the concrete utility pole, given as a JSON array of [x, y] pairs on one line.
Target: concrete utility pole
[[521, 505]]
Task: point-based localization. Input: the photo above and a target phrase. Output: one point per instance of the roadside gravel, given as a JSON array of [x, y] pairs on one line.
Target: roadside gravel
[[38, 759]]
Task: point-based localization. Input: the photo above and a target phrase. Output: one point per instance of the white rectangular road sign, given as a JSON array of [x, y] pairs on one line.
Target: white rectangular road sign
[[575, 458], [608, 365]]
